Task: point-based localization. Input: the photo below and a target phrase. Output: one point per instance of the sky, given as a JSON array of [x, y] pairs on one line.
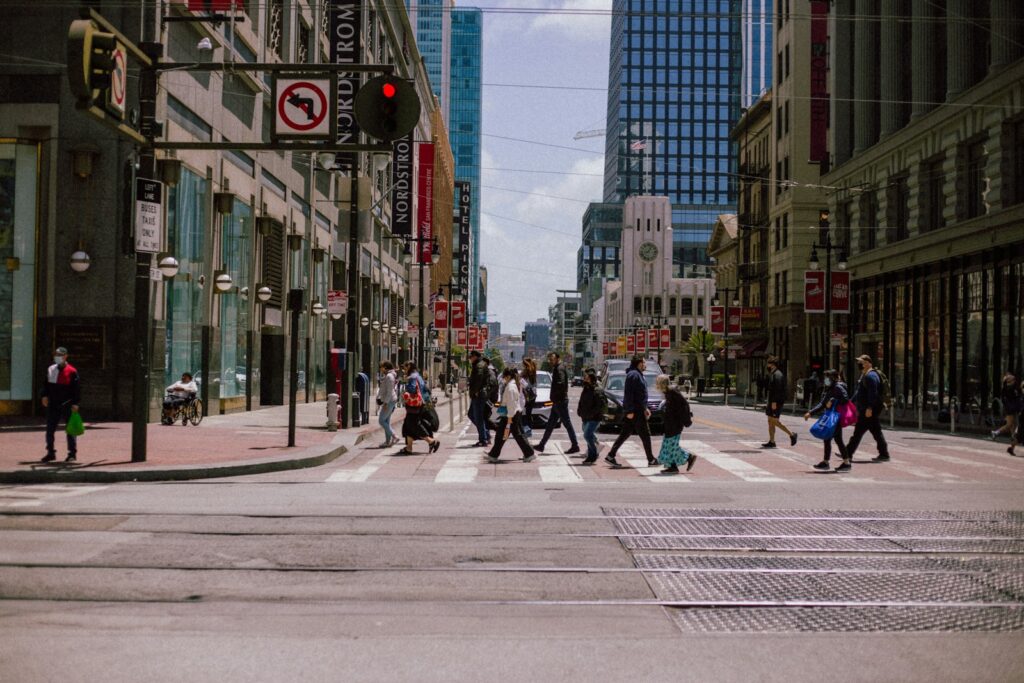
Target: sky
[[534, 195]]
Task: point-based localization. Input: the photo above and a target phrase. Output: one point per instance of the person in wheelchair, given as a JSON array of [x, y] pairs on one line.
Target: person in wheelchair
[[178, 394]]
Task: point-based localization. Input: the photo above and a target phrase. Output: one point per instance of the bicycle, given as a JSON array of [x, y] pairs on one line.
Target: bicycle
[[189, 410]]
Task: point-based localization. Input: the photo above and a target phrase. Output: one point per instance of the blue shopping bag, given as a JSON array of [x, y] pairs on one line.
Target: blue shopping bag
[[826, 425]]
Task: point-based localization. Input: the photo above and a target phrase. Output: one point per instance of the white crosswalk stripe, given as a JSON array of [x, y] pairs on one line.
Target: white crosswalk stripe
[[556, 468], [36, 495], [461, 467], [740, 468], [362, 473]]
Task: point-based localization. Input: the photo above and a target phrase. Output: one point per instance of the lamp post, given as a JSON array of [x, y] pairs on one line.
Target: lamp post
[[726, 292], [435, 256], [826, 238]]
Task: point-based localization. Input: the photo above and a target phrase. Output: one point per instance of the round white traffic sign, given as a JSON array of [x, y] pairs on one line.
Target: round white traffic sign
[[302, 107], [119, 79]]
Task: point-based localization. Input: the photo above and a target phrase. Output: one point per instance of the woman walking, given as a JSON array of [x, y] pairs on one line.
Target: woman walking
[[677, 416], [510, 418], [834, 396], [1010, 397], [528, 385], [591, 409], [387, 398], [416, 425]]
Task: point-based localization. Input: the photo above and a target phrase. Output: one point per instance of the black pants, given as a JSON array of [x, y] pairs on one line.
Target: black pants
[[55, 414], [868, 424], [838, 438], [516, 430], [638, 425], [560, 416]]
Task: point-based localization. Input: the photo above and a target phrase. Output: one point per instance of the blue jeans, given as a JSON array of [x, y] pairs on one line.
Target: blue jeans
[[384, 419], [478, 416], [560, 409], [590, 436]]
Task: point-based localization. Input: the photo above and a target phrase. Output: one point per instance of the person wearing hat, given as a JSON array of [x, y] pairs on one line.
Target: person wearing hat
[[61, 396], [868, 399]]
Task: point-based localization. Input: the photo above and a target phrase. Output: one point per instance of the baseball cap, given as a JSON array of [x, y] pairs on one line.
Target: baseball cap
[[61, 351], [864, 357]]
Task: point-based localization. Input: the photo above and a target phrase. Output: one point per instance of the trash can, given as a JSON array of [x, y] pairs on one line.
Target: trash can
[[701, 383], [363, 389]]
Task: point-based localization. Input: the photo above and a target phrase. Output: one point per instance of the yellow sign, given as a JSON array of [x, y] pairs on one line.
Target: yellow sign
[[620, 345]]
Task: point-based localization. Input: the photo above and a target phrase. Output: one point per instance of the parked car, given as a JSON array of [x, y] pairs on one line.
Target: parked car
[[622, 364], [614, 386], [577, 381], [542, 406]]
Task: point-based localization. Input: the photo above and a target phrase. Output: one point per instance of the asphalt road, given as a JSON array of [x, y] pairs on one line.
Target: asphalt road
[[444, 567]]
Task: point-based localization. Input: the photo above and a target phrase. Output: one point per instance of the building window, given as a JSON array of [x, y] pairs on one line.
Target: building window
[[785, 117], [898, 209], [302, 49], [785, 230], [1013, 139], [672, 307], [972, 202], [636, 305], [686, 306], [933, 198], [868, 221], [778, 234], [778, 289], [275, 28], [785, 286], [657, 305]]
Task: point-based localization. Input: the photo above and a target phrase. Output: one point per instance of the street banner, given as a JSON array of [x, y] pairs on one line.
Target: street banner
[[630, 344], [653, 338], [337, 302], [412, 330], [402, 190], [620, 345], [666, 338], [485, 334], [840, 291], [425, 202], [604, 348], [463, 198], [345, 17], [440, 314], [461, 337], [474, 338], [718, 320], [458, 315], [814, 291], [640, 344], [819, 103], [751, 314]]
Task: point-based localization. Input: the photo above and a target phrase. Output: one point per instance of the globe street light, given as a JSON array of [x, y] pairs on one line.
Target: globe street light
[[168, 266]]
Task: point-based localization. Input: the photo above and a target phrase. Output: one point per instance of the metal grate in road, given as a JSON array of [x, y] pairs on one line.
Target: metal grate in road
[[848, 619], [715, 513], [973, 565], [894, 529], [813, 544]]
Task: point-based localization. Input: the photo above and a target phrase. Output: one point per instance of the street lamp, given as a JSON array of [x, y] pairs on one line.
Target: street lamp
[[318, 308], [825, 235], [168, 266], [726, 292]]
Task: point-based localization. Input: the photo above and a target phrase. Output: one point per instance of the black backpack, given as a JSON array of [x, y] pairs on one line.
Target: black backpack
[[529, 392], [601, 401], [492, 386], [687, 413]]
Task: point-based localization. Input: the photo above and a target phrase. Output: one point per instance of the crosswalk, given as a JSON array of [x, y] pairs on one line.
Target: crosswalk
[[724, 460], [21, 496]]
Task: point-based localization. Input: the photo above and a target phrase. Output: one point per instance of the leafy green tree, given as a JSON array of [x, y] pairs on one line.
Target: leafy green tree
[[698, 346]]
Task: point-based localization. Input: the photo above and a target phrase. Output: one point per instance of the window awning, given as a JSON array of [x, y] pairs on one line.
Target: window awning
[[753, 349]]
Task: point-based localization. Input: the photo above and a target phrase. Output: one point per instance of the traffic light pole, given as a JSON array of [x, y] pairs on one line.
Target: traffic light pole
[[352, 317]]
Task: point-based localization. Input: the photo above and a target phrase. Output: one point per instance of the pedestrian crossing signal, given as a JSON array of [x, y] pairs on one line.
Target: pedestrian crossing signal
[[387, 108]]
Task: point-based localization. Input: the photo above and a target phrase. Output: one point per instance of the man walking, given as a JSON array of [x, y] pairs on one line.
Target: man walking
[[61, 396], [478, 376], [776, 399], [634, 407], [868, 399], [559, 404]]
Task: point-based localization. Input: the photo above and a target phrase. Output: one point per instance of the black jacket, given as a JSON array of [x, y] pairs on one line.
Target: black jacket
[[477, 379], [62, 386], [591, 406], [559, 383], [677, 412], [777, 387], [836, 393], [868, 393]]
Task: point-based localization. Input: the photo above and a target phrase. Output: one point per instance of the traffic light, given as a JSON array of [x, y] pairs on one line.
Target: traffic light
[[90, 60], [387, 108]]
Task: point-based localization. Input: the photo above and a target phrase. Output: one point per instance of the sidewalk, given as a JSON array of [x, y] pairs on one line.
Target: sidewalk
[[221, 446]]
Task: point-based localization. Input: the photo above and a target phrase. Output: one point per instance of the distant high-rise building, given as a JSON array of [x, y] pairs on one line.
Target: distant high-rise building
[[756, 30], [537, 336], [464, 115], [673, 97], [432, 20]]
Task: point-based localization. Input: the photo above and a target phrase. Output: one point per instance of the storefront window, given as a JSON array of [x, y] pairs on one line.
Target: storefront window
[[236, 256], [186, 221], [18, 181], [974, 338]]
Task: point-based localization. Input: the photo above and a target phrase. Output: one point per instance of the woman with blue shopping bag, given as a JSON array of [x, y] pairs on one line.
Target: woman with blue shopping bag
[[829, 427]]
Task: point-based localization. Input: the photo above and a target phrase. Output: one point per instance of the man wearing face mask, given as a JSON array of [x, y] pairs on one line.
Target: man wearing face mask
[[868, 399], [61, 396], [776, 398]]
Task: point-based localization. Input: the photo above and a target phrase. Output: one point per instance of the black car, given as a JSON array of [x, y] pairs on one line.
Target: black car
[[577, 381], [614, 387]]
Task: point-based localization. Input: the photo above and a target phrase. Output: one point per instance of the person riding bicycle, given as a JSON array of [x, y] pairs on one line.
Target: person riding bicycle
[[177, 395]]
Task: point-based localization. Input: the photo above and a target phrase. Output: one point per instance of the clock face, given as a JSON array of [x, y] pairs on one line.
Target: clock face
[[648, 251]]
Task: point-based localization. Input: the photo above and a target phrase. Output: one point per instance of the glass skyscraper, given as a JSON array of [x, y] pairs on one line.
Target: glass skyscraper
[[464, 114], [433, 22], [757, 50], [673, 98]]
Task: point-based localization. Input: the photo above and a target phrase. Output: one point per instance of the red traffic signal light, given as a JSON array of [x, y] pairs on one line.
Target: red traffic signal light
[[388, 90], [387, 108]]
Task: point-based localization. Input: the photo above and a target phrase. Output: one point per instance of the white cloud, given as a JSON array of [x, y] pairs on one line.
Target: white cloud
[[582, 20]]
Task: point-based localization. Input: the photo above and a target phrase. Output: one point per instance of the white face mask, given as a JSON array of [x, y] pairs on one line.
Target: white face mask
[[828, 382], [59, 360]]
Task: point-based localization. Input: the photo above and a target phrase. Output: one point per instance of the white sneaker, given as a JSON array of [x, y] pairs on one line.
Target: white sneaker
[[994, 434]]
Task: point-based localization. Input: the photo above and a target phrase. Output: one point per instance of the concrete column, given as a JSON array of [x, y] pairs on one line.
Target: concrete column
[[927, 83], [865, 76], [842, 71], [959, 47], [892, 86], [1007, 33]]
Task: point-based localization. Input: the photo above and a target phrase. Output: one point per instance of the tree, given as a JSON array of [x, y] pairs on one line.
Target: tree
[[497, 362], [699, 345]]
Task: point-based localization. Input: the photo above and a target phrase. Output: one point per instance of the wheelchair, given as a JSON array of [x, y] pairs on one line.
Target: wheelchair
[[188, 409]]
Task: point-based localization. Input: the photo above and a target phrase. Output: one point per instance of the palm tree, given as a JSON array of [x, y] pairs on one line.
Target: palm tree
[[698, 346]]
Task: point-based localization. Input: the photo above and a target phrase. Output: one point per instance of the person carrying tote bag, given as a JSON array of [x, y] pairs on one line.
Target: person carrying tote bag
[[414, 426], [834, 398]]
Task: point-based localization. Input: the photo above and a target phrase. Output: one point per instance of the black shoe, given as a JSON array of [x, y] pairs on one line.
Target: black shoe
[[844, 467], [530, 458], [479, 444], [823, 465], [792, 440], [768, 444], [574, 449], [610, 459], [689, 461], [434, 446], [671, 469], [539, 448], [651, 462], [1010, 451], [492, 458], [71, 458], [591, 461], [49, 457], [880, 458]]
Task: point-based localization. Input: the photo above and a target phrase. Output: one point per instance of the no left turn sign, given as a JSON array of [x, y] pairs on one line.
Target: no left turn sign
[[119, 79], [302, 108]]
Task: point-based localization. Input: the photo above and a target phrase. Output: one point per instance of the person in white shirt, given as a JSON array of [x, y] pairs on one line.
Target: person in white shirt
[[510, 418], [177, 394], [387, 399]]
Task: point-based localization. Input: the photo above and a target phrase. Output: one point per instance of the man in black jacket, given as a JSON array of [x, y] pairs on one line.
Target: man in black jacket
[[591, 410], [559, 404], [868, 399], [478, 398], [61, 395], [776, 399]]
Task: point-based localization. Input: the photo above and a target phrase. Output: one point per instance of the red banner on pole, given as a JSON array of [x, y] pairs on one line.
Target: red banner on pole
[[474, 338], [425, 202], [666, 338], [641, 341], [630, 344], [460, 337], [440, 315], [485, 334], [653, 338], [458, 315], [814, 291], [717, 319], [840, 292], [604, 348]]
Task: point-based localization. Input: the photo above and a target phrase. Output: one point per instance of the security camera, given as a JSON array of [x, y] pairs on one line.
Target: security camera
[[205, 45]]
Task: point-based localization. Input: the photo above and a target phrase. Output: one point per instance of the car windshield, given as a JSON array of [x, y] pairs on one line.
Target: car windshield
[[617, 382], [543, 379]]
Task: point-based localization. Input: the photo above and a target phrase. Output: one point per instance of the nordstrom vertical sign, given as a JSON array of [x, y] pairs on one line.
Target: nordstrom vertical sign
[[463, 197], [345, 20], [401, 181]]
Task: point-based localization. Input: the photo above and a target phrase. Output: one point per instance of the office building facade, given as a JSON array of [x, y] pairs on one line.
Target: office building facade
[[432, 20], [756, 31]]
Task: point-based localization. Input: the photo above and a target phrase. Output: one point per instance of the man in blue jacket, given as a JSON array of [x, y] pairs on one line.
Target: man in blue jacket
[[636, 413], [868, 399]]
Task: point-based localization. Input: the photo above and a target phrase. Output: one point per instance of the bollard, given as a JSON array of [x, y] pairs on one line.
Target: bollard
[[952, 415], [332, 412], [357, 413], [451, 411], [892, 416], [920, 413]]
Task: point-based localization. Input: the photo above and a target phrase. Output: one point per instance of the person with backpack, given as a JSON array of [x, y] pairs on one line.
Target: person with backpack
[[478, 376], [635, 411], [677, 417], [559, 404], [416, 425], [834, 396], [528, 381], [776, 385], [592, 407], [870, 397], [510, 417]]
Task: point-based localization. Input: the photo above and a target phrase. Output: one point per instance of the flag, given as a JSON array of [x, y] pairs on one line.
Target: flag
[[638, 145]]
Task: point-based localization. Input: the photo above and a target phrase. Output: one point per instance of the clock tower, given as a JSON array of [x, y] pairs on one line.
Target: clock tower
[[646, 257]]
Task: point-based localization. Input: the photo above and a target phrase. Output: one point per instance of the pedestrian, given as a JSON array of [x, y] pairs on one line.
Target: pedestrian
[[677, 417], [387, 398], [869, 401], [834, 397], [591, 409], [1010, 397], [61, 395], [775, 383], [687, 386], [559, 404], [528, 381], [478, 376], [178, 395], [510, 418], [636, 413], [416, 425]]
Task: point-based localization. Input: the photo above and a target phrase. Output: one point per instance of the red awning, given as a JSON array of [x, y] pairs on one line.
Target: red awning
[[753, 349]]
